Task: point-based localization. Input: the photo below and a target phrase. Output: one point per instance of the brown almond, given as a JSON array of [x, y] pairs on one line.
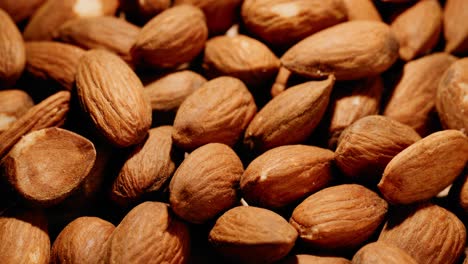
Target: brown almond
[[290, 117], [20, 10], [141, 12], [361, 10], [429, 233], [203, 187], [412, 101], [12, 51], [351, 55], [149, 233], [462, 194], [219, 111], [111, 93], [381, 252], [425, 168], [418, 28], [311, 259], [242, 57], [367, 146], [13, 105], [339, 217], [53, 61], [81, 241], [283, 23], [281, 81], [148, 168], [455, 28], [249, 234], [452, 94], [173, 37], [285, 174]]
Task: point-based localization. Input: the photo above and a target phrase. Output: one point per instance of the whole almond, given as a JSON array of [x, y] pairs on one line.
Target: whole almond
[[12, 51], [425, 168], [81, 241], [311, 259], [149, 233], [455, 30], [452, 93], [218, 111], [381, 252], [249, 234], [203, 187], [361, 10], [283, 23], [412, 100], [53, 61], [290, 117], [285, 174], [428, 233], [339, 217], [359, 49], [173, 37], [13, 105], [142, 11], [367, 146], [418, 28], [111, 93], [20, 10]]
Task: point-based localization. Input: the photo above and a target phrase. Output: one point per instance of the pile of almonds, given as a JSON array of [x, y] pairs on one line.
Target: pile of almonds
[[233, 131]]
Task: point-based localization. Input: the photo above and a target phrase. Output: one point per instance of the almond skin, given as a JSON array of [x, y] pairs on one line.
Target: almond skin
[[428, 233], [339, 217], [463, 193], [350, 50], [290, 117], [455, 30], [361, 10], [311, 259], [412, 100], [451, 102], [203, 187], [20, 10], [12, 51], [283, 23], [425, 168], [111, 93], [173, 37], [13, 105], [367, 146], [286, 174], [142, 11], [249, 234], [381, 252], [219, 111]]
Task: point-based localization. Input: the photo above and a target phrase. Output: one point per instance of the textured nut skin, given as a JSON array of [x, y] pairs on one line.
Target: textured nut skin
[[367, 146], [361, 10], [12, 51], [249, 234], [20, 10], [54, 61], [13, 105], [149, 233], [242, 57], [463, 192], [311, 259], [81, 241], [412, 100], [455, 30], [286, 174], [111, 93], [290, 117], [339, 217], [148, 168], [418, 28], [451, 102], [428, 233], [143, 11], [171, 38], [350, 50], [425, 168], [283, 23], [204, 187], [218, 111], [381, 252], [24, 237]]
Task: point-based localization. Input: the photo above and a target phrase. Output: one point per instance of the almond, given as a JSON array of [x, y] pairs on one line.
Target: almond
[[252, 235], [463, 192], [20, 10], [455, 30], [428, 233], [290, 117], [142, 11], [452, 94], [418, 28], [285, 174], [12, 51], [361, 10], [339, 217], [281, 81], [381, 252], [359, 49], [173, 37], [13, 105], [111, 93], [412, 100], [219, 111], [283, 23], [367, 146], [311, 259]]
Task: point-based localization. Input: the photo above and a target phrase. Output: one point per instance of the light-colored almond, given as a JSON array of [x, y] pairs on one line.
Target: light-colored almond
[[13, 105], [455, 28], [361, 10], [12, 51], [381, 252]]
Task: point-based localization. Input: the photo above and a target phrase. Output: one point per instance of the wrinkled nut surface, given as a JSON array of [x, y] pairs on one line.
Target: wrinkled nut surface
[[12, 51], [455, 31], [252, 235], [13, 105], [361, 10], [381, 252]]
